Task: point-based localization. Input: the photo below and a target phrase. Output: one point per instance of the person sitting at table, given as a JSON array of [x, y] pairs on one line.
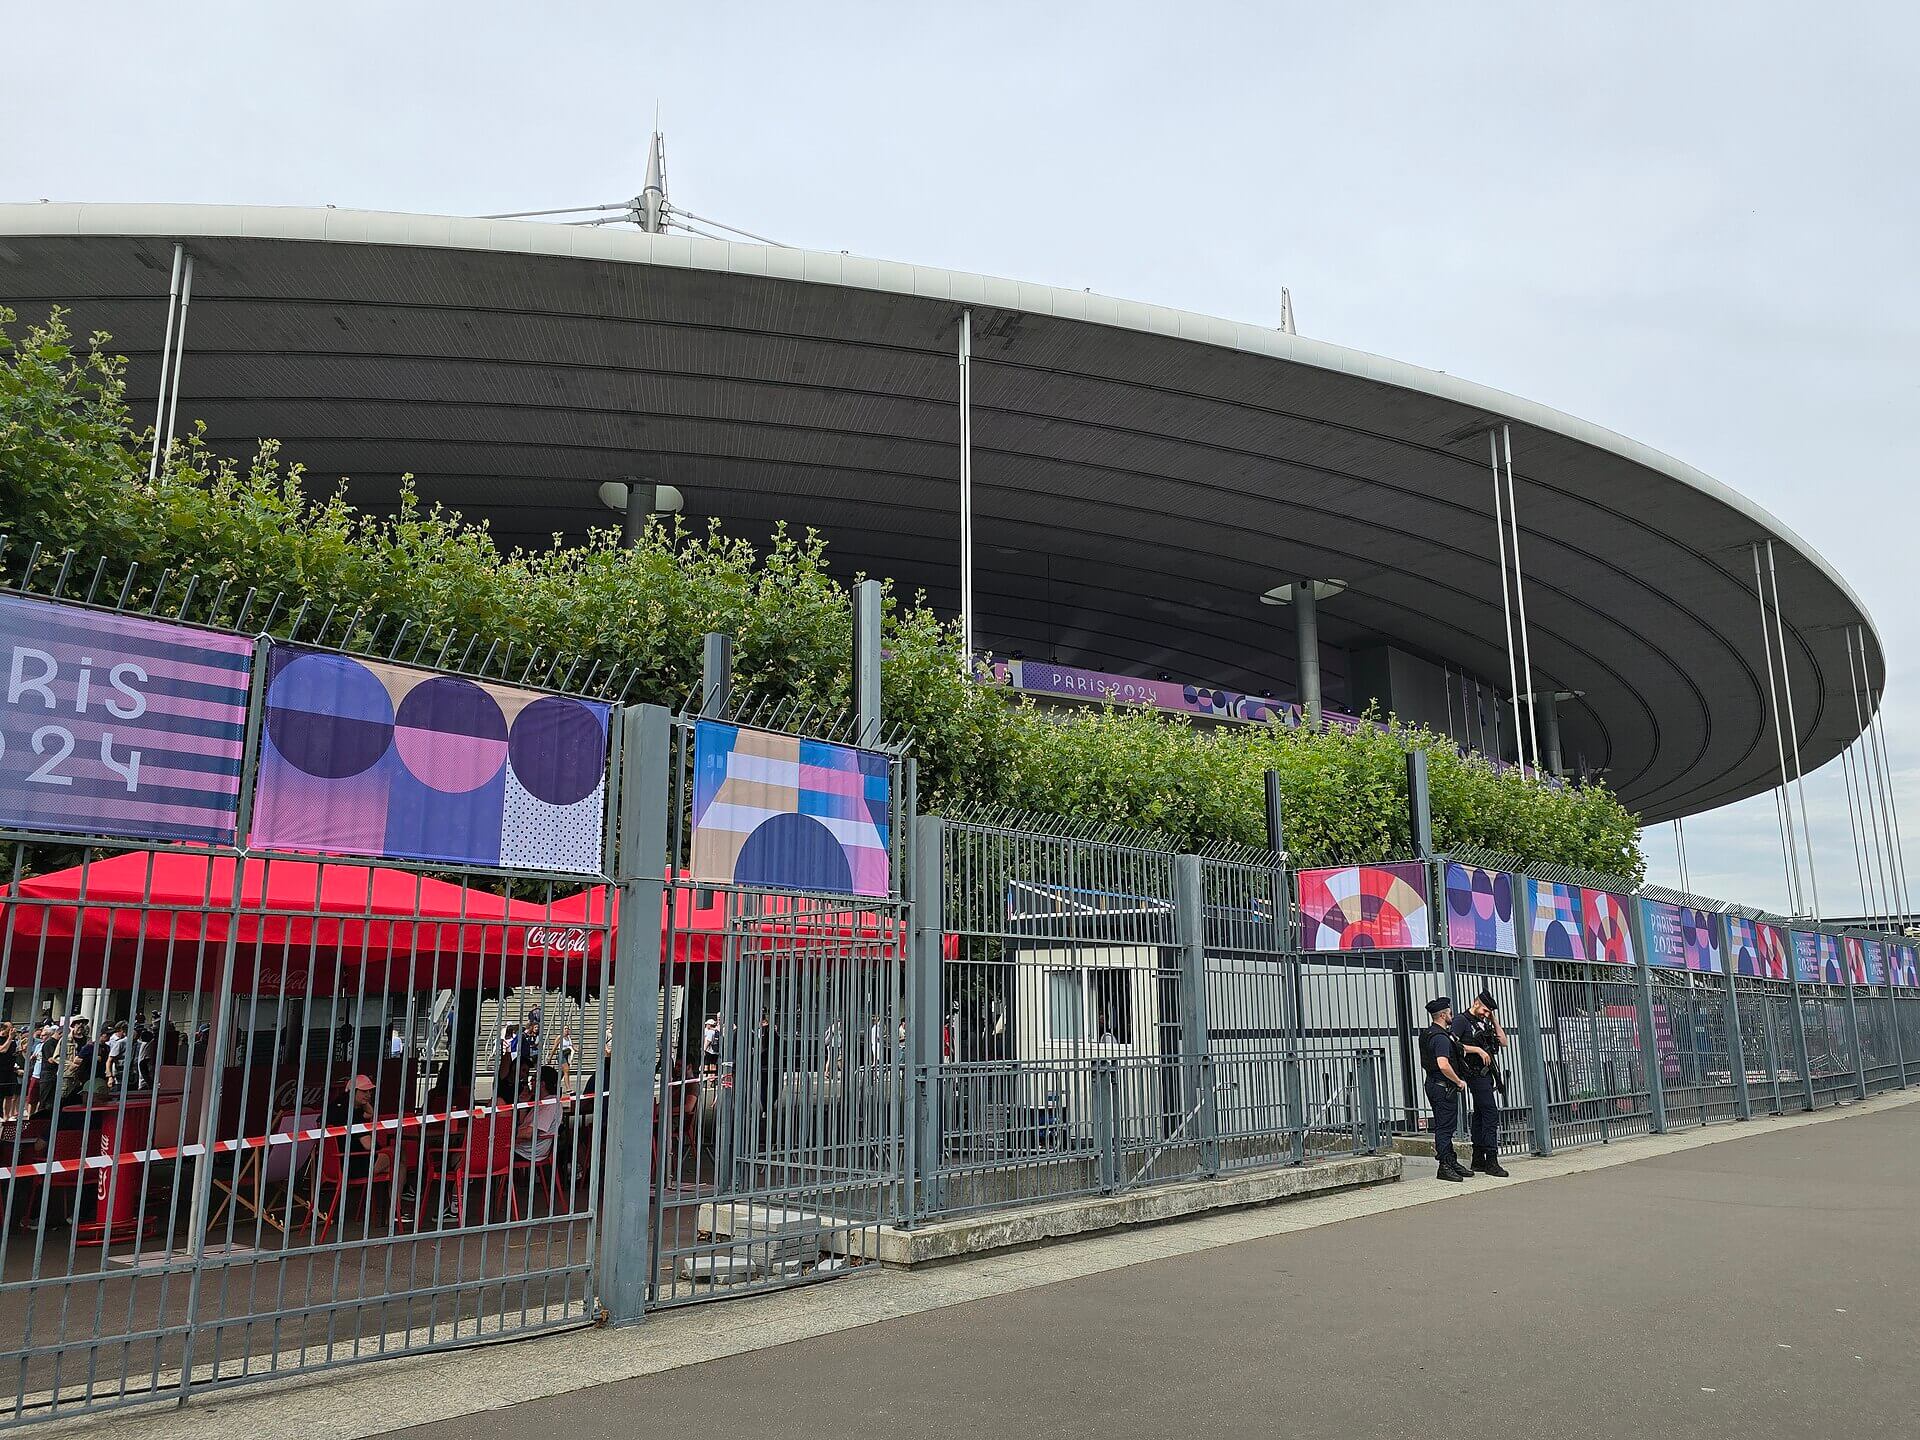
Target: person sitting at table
[[352, 1104], [540, 1122]]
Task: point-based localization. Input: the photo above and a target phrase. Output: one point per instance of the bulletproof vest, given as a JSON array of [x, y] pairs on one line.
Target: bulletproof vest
[[1429, 1048], [1478, 1031]]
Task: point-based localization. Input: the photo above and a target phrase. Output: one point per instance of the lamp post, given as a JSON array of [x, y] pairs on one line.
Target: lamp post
[[639, 500]]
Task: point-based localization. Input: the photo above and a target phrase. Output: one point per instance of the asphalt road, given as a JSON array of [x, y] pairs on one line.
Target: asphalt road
[[1768, 1287]]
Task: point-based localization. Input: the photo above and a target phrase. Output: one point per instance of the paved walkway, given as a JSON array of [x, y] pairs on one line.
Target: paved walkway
[[1744, 1281]]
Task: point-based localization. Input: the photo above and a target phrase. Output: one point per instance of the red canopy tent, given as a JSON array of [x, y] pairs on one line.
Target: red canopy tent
[[702, 926], [160, 920]]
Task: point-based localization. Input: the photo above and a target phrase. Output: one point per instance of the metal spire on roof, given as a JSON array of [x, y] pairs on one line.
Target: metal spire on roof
[[1286, 312], [650, 209], [652, 206]]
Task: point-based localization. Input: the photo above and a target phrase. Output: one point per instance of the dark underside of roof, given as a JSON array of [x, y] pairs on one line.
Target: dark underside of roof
[[1135, 493]]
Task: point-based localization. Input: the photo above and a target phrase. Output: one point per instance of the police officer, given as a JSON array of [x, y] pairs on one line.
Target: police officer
[[1437, 1052], [1477, 1039]]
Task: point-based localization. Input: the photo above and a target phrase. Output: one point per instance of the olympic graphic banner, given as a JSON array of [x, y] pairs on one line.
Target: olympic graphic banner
[[1682, 938], [1555, 931], [791, 814], [359, 757], [1816, 958], [1756, 948], [1480, 909], [1365, 907], [1609, 928], [119, 725]]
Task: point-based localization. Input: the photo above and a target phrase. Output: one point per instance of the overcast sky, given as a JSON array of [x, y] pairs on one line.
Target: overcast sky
[[1696, 224]]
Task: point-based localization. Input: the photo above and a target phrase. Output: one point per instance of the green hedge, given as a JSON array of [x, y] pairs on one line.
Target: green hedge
[[74, 465]]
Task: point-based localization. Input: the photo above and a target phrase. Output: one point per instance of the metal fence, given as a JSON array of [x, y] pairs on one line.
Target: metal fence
[[258, 1127], [1595, 1054], [1697, 1067], [1826, 1017], [265, 1114], [781, 1084]]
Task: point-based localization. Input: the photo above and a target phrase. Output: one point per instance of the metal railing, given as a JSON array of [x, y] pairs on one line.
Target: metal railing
[[1025, 1132]]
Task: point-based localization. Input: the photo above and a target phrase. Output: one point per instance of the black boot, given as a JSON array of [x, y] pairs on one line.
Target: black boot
[[1447, 1172], [1490, 1166]]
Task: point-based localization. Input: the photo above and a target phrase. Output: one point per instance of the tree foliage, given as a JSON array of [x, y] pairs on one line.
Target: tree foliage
[[74, 466]]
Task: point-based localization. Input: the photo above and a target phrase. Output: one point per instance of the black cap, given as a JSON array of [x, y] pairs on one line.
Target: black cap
[[1439, 1003], [1487, 1000]]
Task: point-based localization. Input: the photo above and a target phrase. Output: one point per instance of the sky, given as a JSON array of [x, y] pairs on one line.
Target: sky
[[1693, 224]]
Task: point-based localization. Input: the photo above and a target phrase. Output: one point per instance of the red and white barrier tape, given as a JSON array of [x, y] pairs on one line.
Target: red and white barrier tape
[[104, 1161]]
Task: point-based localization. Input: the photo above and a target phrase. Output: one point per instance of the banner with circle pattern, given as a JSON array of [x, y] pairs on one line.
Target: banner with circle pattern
[[362, 757]]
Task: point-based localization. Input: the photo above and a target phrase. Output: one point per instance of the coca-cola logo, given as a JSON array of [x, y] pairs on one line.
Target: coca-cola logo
[[570, 940]]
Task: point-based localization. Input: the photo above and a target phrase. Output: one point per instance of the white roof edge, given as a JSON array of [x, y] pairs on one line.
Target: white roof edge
[[381, 227]]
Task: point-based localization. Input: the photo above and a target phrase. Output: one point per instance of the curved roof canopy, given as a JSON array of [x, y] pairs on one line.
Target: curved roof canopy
[[1142, 475]]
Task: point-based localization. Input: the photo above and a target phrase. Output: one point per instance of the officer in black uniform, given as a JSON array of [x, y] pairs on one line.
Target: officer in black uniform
[[1437, 1052], [1477, 1040]]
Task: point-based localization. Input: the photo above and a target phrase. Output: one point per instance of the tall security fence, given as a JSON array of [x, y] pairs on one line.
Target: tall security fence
[[263, 1113], [368, 996]]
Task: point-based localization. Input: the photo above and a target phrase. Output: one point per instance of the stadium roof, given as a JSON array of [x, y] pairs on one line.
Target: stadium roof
[[1142, 475]]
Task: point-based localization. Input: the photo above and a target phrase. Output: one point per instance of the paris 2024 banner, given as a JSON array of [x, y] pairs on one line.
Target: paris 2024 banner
[[117, 725]]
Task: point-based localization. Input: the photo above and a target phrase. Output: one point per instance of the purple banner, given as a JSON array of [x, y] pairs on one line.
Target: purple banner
[[1037, 677], [359, 757], [1816, 958], [1876, 958], [1904, 964], [118, 725], [1682, 938], [1480, 909]]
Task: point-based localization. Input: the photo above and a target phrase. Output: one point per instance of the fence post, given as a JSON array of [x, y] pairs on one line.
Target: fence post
[[925, 998], [1293, 1088], [1770, 1030], [1853, 1022], [1104, 1112], [1736, 1045], [626, 1249], [1533, 1054], [1367, 1096], [1893, 1023], [1196, 1077], [1649, 1037], [1800, 1052], [1449, 973]]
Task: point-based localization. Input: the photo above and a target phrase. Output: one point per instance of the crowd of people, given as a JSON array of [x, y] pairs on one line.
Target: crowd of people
[[58, 1059]]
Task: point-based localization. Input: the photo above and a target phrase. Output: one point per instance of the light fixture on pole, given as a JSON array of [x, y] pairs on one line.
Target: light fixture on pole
[[1305, 597], [637, 501]]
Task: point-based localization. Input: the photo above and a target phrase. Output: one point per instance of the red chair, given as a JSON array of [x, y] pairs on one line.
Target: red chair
[[331, 1172], [484, 1153]]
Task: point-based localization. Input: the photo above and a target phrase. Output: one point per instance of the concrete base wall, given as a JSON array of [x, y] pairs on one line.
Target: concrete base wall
[[1036, 1224]]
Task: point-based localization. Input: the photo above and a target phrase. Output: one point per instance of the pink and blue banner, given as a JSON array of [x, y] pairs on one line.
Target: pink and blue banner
[[360, 757], [1903, 966], [1756, 948], [784, 813], [119, 725], [1816, 958], [1680, 937], [1480, 909], [1555, 930], [1853, 957], [1875, 956]]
